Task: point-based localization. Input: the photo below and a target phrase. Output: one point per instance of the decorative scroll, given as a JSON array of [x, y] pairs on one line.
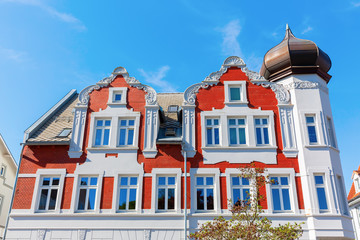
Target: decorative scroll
[[150, 97], [213, 78], [301, 85], [41, 234], [281, 94]]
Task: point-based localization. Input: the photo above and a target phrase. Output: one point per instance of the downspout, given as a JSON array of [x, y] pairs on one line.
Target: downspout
[[14, 189], [185, 196]]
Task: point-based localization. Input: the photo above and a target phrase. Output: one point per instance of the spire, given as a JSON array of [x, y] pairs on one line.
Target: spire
[[288, 32]]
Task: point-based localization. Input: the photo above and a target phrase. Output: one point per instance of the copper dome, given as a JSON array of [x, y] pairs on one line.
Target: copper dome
[[295, 56]]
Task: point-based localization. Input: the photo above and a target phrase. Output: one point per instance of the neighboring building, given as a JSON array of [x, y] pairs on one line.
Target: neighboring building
[[109, 163], [354, 202], [8, 170]]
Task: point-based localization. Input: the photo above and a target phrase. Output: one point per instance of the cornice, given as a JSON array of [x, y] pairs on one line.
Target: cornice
[[214, 77], [150, 97]]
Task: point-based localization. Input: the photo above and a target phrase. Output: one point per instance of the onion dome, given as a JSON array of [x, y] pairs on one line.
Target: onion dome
[[295, 56]]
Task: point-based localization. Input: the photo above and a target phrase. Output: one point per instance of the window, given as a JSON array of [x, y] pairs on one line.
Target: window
[[48, 191], [280, 191], [126, 132], [331, 133], [173, 108], [128, 189], [212, 131], [235, 94], [102, 132], [87, 193], [166, 193], [262, 131], [320, 191], [311, 129], [204, 193], [2, 171], [240, 190], [237, 131], [65, 132], [117, 96]]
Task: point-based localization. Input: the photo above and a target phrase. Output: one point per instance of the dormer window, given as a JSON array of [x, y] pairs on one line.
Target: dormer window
[[173, 108], [117, 96], [235, 92], [65, 132]]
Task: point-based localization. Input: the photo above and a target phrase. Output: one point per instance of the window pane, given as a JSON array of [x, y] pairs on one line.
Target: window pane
[[107, 123], [232, 122], [91, 200], [274, 181], [216, 121], [321, 198], [43, 199], [200, 199], [216, 135], [133, 181], [258, 136], [241, 121], [130, 136], [93, 181], [235, 94], [257, 121], [106, 137], [208, 121], [235, 181], [53, 195], [286, 199], [117, 97], [199, 181], [284, 181], [82, 196], [209, 181], [122, 122], [98, 137], [233, 136], [210, 199], [276, 199], [124, 181], [171, 198], [122, 199], [84, 181], [236, 197], [266, 136], [162, 180], [122, 136], [131, 122], [99, 123], [161, 198], [309, 119], [246, 194], [319, 180], [209, 135], [132, 199], [55, 181], [171, 180], [312, 134], [46, 182], [242, 138], [264, 121], [245, 181]]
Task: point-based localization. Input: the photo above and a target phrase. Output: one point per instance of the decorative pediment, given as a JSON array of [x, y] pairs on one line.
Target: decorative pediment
[[150, 96], [213, 78]]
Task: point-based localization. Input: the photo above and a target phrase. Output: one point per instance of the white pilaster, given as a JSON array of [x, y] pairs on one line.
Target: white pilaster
[[77, 136], [151, 130], [188, 130]]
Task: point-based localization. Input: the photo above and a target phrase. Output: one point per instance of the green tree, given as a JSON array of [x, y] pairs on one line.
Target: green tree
[[246, 221]]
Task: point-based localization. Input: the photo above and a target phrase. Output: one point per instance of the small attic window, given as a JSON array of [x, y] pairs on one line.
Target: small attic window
[[65, 132], [173, 108]]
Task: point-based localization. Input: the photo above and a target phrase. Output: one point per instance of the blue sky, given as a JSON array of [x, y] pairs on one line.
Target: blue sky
[[50, 47]]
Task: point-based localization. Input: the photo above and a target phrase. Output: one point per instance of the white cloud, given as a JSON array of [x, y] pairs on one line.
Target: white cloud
[[12, 54], [355, 4], [157, 79], [230, 45], [65, 17], [306, 30]]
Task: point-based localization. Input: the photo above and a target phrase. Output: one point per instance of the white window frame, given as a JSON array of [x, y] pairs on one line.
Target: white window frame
[[326, 194], [237, 84], [319, 127], [50, 187], [103, 128], [117, 90], [237, 126], [76, 190], [40, 173], [2, 170], [127, 128], [156, 172], [235, 172], [331, 132], [213, 131], [281, 172], [205, 172], [166, 187], [262, 127], [116, 191]]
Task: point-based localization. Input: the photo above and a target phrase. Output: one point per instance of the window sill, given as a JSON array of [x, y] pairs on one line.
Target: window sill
[[236, 103], [112, 148], [238, 147], [117, 104]]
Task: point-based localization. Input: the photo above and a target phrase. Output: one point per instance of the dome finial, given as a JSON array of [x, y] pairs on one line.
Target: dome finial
[[287, 27]]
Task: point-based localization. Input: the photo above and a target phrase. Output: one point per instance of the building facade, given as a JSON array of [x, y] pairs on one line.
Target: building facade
[[8, 170], [354, 202], [120, 161]]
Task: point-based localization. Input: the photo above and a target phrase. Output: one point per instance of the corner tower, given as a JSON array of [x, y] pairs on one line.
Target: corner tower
[[301, 68]]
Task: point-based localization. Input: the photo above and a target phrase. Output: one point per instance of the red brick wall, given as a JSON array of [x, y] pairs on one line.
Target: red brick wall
[[107, 193], [24, 193], [147, 188], [223, 197], [67, 193]]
